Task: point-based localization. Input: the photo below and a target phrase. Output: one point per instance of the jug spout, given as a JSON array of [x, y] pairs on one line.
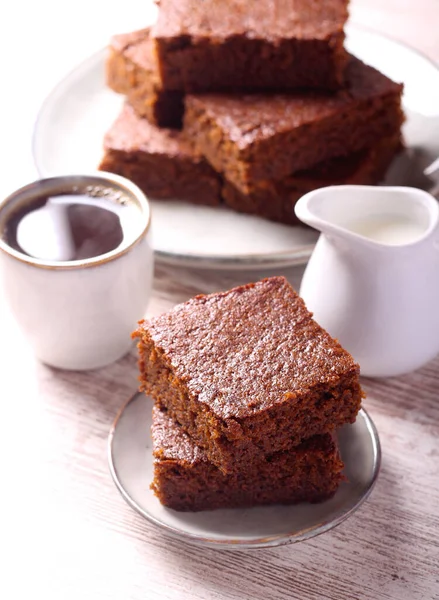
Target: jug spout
[[394, 216]]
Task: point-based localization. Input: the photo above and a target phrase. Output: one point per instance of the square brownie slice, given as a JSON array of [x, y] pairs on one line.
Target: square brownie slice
[[229, 46], [247, 372], [260, 137], [160, 161], [184, 478], [132, 70], [275, 200]]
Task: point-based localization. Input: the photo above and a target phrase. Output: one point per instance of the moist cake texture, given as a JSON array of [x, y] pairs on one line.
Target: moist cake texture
[[165, 166], [248, 372], [160, 161], [132, 70], [281, 44], [267, 137], [184, 478], [275, 200]]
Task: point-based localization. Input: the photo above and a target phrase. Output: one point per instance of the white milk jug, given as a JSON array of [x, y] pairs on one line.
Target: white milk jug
[[373, 278]]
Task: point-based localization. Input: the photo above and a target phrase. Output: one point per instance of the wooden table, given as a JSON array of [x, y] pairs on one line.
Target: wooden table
[[65, 532]]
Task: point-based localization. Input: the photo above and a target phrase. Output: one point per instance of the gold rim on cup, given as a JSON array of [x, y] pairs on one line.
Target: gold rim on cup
[[73, 184]]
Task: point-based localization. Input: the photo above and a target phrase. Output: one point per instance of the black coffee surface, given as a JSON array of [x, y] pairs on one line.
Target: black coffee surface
[[70, 226]]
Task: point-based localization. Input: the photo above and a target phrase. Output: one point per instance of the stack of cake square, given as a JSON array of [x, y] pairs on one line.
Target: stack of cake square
[[248, 105], [248, 392]]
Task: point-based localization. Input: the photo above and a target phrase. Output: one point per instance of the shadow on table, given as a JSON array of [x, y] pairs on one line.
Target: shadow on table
[[367, 557], [412, 397], [97, 394]]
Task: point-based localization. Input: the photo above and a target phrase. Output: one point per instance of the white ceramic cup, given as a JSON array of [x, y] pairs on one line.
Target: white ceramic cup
[[79, 314]]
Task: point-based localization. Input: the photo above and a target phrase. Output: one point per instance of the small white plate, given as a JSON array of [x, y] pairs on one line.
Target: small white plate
[[73, 120], [131, 466]]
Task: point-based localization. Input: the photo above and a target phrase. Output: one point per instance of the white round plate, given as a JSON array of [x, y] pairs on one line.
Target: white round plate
[[73, 120], [131, 465]]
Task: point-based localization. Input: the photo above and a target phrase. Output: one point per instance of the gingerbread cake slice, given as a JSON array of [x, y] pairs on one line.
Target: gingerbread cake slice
[[267, 137], [160, 161], [132, 70], [176, 171], [226, 46], [247, 372], [185, 480], [275, 200]]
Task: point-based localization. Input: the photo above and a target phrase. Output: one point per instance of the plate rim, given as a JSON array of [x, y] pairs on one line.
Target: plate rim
[[288, 258], [264, 542]]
